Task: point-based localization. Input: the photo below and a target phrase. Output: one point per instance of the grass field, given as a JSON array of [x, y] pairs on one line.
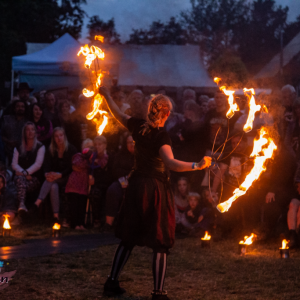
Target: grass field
[[193, 273]]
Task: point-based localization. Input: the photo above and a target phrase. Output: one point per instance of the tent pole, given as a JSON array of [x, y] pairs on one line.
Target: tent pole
[[12, 84]]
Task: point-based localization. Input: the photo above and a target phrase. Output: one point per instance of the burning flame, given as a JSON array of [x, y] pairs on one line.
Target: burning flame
[[206, 237], [260, 155], [99, 38], [92, 53], [56, 226], [6, 224], [248, 240], [284, 244], [217, 80], [233, 106], [253, 108]]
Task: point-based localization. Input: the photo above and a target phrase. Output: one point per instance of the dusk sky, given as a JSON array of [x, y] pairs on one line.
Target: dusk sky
[[129, 14]]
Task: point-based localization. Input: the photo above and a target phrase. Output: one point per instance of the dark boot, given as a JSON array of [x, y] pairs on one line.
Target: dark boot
[[159, 295], [293, 240], [112, 288]]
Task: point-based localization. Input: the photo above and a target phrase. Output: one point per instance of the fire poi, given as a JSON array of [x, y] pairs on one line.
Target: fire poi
[[263, 147], [92, 55]]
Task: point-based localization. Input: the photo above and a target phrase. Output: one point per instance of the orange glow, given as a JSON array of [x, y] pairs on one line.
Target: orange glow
[[88, 93], [6, 224], [92, 53], [56, 226], [260, 155], [232, 106], [206, 237], [253, 108], [99, 38], [248, 240], [217, 80], [284, 244]]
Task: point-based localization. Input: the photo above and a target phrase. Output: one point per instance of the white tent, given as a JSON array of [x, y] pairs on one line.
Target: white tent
[[54, 66]]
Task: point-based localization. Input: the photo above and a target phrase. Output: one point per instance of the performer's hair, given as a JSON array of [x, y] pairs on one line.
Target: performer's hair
[[158, 108]]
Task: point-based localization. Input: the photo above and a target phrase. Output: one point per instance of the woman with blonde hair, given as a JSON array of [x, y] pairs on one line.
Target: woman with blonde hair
[[27, 162], [57, 166], [147, 215]]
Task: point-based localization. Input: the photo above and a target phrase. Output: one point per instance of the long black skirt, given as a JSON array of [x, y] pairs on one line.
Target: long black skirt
[[147, 215]]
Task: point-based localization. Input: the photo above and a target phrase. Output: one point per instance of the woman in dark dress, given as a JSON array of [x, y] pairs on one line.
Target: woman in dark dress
[[147, 216]]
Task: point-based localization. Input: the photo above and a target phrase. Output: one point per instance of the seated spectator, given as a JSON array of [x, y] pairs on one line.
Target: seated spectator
[[8, 196], [27, 162], [195, 219], [122, 166], [71, 126], [77, 188], [57, 166], [181, 198], [101, 171], [11, 128], [43, 126], [50, 111]]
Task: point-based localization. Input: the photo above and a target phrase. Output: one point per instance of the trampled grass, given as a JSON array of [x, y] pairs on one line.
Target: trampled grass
[[193, 273]]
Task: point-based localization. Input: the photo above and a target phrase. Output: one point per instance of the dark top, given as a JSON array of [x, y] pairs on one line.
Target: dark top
[[73, 133], [28, 159], [147, 158], [103, 175], [215, 120], [196, 213], [61, 165], [123, 164], [44, 129]]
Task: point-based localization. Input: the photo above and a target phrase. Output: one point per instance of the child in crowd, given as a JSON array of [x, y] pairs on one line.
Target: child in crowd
[[77, 186], [181, 198]]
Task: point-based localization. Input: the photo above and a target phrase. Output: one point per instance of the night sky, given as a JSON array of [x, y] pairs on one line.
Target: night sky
[[138, 14]]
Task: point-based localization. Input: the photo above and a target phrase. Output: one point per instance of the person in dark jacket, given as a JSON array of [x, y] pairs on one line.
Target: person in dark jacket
[[123, 164], [101, 171], [27, 162], [57, 167]]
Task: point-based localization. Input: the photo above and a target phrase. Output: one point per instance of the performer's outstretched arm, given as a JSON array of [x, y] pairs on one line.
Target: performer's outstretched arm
[[173, 164], [113, 107]]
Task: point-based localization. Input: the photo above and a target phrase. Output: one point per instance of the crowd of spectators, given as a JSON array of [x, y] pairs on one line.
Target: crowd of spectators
[[50, 153]]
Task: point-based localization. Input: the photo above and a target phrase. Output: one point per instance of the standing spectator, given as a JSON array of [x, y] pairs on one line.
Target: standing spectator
[[11, 128], [135, 100], [58, 166], [77, 188], [72, 127], [101, 169], [188, 94], [27, 162], [211, 104], [50, 110], [119, 97], [23, 92], [43, 126], [123, 164]]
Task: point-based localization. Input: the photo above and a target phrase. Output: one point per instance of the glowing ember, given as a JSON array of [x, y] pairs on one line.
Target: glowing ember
[[217, 80], [6, 224], [88, 93], [99, 38], [284, 244], [233, 106], [56, 226], [253, 108], [91, 54], [206, 237], [248, 240], [260, 155]]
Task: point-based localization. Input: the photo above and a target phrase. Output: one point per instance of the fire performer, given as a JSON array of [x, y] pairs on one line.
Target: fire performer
[[147, 216]]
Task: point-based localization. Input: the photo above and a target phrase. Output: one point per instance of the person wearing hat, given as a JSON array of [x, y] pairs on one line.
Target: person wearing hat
[[24, 91]]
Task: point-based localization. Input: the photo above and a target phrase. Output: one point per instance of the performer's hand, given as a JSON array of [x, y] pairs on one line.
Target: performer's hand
[[204, 163], [103, 90], [270, 197]]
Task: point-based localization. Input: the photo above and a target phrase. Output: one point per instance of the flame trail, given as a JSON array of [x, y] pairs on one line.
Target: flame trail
[[217, 80], [92, 54], [258, 168], [253, 108], [233, 106]]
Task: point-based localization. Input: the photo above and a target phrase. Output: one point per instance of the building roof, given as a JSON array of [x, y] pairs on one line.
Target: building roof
[[273, 67], [35, 47]]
